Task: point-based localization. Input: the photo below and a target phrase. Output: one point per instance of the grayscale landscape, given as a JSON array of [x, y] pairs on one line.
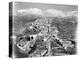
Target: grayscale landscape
[[41, 29]]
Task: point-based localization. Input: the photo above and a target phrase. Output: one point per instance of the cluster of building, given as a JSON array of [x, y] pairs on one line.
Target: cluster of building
[[48, 35]]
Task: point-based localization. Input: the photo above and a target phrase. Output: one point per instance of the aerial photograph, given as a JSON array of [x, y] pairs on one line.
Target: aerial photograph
[[42, 29]]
